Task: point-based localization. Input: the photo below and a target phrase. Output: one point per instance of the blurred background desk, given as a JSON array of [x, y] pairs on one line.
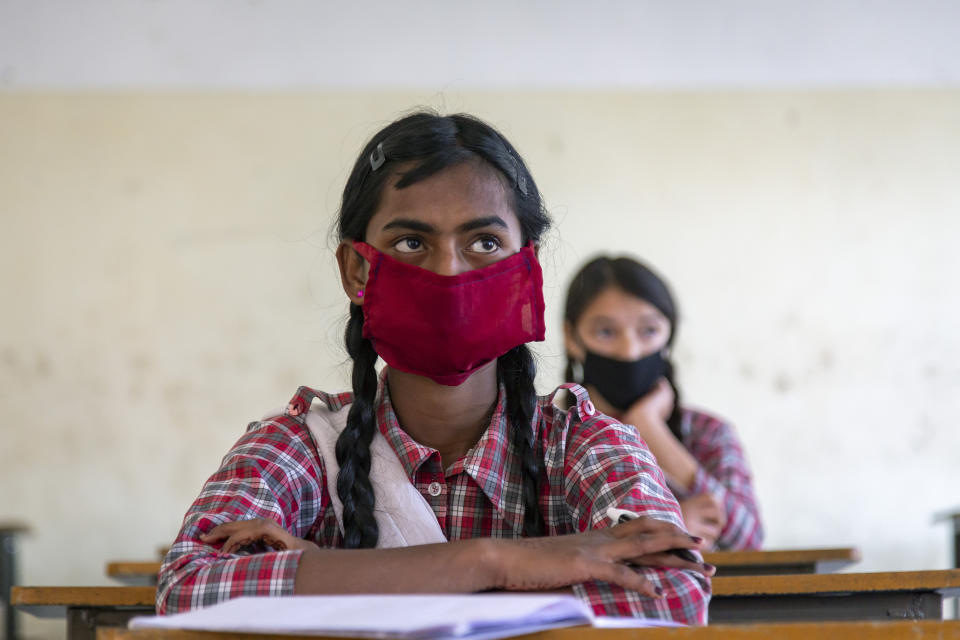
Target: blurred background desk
[[86, 608], [775, 562]]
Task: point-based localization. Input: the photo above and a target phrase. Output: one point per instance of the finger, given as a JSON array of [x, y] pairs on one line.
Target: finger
[[706, 530], [219, 532], [643, 545], [624, 576], [712, 532], [713, 512], [276, 542], [243, 538], [234, 543], [644, 524], [661, 529], [722, 519], [228, 528], [667, 559]]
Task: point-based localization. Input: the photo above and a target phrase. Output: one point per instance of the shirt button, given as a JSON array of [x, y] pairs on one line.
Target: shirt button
[[588, 408], [434, 489]]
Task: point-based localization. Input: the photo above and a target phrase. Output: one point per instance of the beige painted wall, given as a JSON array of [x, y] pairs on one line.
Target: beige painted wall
[[166, 277]]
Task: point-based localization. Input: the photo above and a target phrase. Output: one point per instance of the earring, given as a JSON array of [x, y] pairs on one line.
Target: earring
[[577, 367], [360, 293]]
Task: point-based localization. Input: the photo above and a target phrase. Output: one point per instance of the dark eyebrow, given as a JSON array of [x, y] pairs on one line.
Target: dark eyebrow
[[479, 223], [409, 223]]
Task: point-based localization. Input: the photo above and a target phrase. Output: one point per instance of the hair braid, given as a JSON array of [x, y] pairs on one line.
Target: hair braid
[[517, 372], [675, 419], [353, 446]]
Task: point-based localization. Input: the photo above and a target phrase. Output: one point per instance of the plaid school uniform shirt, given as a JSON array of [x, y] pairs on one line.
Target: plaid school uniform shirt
[[722, 472], [591, 462]]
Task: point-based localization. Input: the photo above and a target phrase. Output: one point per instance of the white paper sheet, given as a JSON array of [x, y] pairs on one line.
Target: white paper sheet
[[409, 617]]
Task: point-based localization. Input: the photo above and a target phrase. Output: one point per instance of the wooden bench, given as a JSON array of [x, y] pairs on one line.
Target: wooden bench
[[780, 561], [941, 630]]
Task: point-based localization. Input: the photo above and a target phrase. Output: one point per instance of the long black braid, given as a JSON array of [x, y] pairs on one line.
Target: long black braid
[[353, 446], [416, 147], [517, 371]]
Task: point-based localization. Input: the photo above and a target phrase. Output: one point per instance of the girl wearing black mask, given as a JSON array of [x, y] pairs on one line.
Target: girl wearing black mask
[[620, 323], [445, 472]]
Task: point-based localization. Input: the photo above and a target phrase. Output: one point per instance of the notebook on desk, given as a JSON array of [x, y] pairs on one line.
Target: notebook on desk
[[401, 617]]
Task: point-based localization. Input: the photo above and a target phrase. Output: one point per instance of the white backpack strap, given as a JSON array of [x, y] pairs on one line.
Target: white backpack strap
[[403, 516]]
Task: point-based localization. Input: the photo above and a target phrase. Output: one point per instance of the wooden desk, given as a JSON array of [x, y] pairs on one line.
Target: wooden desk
[[86, 608], [941, 630], [8, 573], [780, 561], [911, 595], [134, 573]]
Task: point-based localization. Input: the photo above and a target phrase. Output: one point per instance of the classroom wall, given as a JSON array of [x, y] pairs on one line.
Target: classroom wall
[[169, 172], [167, 276]]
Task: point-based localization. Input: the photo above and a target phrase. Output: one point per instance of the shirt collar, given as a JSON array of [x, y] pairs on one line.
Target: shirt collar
[[492, 463]]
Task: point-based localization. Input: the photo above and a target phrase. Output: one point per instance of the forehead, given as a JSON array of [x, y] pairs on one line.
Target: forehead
[[448, 198], [615, 304]]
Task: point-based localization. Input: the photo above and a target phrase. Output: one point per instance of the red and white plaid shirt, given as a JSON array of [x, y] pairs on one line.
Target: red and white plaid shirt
[[591, 462], [723, 472]]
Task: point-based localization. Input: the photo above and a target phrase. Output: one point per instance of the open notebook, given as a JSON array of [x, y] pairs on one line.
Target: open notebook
[[413, 617]]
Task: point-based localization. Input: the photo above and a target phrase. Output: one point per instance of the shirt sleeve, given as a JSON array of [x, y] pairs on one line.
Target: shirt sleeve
[[274, 472], [607, 465], [723, 472]]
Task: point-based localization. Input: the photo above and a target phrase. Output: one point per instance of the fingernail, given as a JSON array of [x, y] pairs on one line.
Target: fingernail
[[658, 591], [709, 567], [696, 539]]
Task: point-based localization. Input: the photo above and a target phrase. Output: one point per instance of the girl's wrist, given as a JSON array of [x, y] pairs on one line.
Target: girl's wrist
[[642, 419], [486, 561]]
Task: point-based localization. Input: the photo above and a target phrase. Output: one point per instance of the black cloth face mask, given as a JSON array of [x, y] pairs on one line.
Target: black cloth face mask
[[623, 382]]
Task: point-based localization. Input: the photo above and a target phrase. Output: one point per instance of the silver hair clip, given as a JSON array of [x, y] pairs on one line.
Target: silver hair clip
[[521, 182], [518, 176], [377, 158]]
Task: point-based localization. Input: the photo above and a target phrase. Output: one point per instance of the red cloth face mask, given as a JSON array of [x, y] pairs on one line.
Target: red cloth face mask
[[447, 327]]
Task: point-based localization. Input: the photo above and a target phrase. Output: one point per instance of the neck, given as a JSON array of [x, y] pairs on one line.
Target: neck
[[448, 419]]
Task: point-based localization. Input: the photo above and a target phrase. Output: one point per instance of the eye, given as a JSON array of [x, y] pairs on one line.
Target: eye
[[408, 245], [605, 332], [485, 244]]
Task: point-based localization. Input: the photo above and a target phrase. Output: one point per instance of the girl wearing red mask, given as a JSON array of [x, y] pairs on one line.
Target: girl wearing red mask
[[445, 472], [620, 322]]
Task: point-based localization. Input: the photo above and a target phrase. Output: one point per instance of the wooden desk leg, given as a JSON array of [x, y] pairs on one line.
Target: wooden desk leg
[[956, 542], [956, 560], [8, 578], [83, 622], [894, 605]]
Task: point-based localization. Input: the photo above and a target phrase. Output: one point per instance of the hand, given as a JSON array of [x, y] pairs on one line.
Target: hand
[[656, 405], [705, 517], [604, 554], [247, 532]]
